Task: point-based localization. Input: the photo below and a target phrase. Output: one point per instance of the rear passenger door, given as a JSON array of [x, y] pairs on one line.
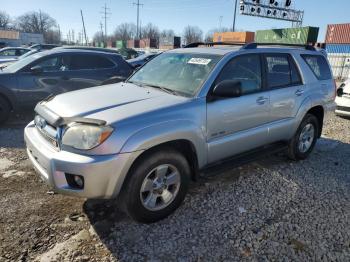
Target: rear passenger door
[[236, 125], [287, 93], [88, 70]]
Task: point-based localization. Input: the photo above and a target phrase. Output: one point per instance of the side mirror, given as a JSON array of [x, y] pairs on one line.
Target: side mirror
[[228, 89], [340, 92], [36, 70]]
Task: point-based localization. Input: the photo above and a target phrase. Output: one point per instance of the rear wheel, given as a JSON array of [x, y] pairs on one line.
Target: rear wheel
[[157, 186], [5, 109], [305, 138]]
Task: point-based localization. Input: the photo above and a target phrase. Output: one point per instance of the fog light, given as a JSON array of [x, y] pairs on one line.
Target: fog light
[[75, 181], [79, 181]]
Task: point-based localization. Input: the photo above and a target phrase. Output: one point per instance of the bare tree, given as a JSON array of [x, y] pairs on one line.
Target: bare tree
[[37, 22], [125, 31], [192, 34], [167, 33], [150, 31], [5, 20]]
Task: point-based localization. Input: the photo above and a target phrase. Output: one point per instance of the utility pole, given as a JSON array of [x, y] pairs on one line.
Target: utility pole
[[234, 16], [101, 26], [105, 15], [138, 29], [220, 23], [84, 30]]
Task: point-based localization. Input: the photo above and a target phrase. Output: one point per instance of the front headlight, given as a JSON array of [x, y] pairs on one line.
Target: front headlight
[[85, 137]]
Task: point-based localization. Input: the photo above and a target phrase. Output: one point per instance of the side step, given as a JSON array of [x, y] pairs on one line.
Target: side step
[[243, 159]]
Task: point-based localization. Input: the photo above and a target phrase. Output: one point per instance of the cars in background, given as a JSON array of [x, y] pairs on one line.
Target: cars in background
[[128, 53], [12, 52], [343, 99], [32, 79], [142, 59], [8, 61], [43, 47]]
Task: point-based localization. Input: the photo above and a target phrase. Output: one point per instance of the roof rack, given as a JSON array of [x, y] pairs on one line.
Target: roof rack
[[252, 45], [255, 45], [209, 44]]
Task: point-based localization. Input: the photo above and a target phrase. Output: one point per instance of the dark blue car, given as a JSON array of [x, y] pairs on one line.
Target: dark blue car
[[32, 79]]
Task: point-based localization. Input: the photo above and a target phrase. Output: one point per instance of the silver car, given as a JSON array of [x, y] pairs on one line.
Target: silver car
[[144, 140]]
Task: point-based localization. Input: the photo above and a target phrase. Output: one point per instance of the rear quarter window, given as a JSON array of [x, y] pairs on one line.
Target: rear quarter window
[[318, 66]]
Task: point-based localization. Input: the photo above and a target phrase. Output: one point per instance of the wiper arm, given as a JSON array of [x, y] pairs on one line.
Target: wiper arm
[[168, 90]]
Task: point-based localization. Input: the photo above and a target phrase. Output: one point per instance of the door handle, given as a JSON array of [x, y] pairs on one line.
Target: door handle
[[299, 92], [261, 100]]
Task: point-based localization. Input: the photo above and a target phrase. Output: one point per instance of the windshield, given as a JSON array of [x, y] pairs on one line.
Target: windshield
[[21, 63], [181, 73], [27, 54]]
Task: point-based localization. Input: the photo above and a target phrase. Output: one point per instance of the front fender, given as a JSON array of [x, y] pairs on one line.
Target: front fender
[[9, 95], [169, 131]]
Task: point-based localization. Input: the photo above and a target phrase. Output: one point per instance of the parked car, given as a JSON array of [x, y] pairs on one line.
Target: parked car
[[128, 53], [12, 52], [29, 80], [6, 62], [343, 99], [142, 59], [183, 112], [43, 47]]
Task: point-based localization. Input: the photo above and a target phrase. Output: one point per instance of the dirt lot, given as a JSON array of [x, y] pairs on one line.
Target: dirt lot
[[271, 209]]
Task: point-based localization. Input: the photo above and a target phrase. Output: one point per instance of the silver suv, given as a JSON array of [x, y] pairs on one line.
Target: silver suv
[[188, 109]]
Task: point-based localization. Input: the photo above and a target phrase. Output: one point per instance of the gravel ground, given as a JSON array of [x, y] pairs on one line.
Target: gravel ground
[[269, 210]]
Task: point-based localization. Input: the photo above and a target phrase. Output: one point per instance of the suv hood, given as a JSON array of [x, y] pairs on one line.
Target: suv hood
[[111, 103]]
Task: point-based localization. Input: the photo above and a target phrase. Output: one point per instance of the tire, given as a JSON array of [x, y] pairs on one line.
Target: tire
[[5, 109], [295, 151], [145, 172]]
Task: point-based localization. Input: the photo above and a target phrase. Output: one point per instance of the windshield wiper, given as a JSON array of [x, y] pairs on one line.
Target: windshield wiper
[[165, 89]]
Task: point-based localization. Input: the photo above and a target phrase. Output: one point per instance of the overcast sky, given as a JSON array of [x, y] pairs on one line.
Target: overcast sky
[[174, 14]]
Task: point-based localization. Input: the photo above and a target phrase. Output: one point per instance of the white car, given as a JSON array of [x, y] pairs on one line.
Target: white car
[[13, 52], [343, 99]]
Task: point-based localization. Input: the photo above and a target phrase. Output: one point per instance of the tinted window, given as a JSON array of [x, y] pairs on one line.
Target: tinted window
[[8, 52], [246, 69], [281, 71], [53, 64], [319, 66], [85, 62]]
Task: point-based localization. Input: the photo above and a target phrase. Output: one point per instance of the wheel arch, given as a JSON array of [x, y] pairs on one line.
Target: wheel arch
[[318, 112]]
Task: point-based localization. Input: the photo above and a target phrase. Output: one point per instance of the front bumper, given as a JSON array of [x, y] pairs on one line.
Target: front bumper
[[343, 106], [103, 175]]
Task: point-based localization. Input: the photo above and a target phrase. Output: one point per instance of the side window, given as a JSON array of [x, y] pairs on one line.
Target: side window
[[50, 64], [281, 71], [247, 70], [90, 62], [9, 52], [319, 66]]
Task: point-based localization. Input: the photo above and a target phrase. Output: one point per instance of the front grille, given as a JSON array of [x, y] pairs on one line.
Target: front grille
[[343, 108], [49, 132]]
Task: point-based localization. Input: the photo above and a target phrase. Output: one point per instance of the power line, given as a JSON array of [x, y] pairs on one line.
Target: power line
[[138, 29], [106, 15]]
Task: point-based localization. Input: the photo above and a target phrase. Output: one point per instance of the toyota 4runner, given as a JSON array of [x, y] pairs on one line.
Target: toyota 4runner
[[142, 141]]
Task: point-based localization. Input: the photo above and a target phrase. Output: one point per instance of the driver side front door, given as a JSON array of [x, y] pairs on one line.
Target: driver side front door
[[237, 125]]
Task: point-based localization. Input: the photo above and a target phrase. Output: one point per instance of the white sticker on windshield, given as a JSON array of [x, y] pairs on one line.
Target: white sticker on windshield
[[199, 61]]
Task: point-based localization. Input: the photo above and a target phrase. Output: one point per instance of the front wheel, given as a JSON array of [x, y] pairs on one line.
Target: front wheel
[[157, 186], [304, 140]]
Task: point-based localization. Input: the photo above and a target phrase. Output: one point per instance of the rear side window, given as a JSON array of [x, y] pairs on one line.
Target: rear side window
[[86, 62], [318, 66], [281, 71]]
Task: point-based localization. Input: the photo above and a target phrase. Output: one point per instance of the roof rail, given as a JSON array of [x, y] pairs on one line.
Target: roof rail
[[209, 44], [255, 45]]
